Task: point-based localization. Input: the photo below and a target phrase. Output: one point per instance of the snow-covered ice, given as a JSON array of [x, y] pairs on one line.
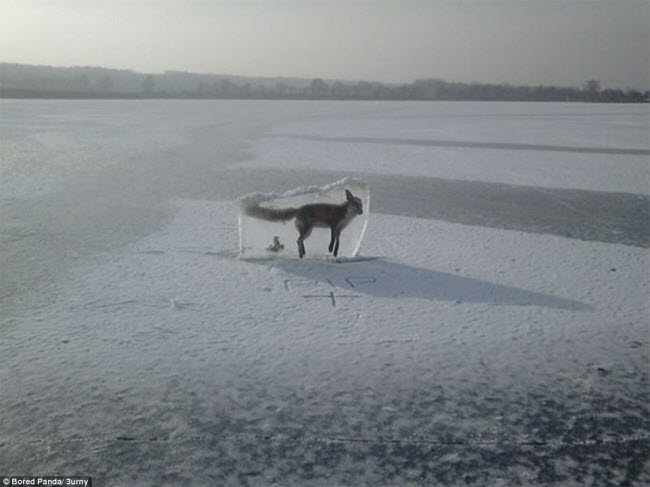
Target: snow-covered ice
[[136, 345], [542, 145]]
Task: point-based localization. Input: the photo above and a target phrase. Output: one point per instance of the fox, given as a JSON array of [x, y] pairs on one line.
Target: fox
[[306, 217]]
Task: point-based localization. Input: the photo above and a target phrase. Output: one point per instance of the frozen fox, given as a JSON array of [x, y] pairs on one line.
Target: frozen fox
[[336, 217]]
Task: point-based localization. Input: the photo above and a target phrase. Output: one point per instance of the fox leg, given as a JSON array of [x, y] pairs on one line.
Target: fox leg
[[333, 240], [304, 230], [301, 247], [334, 243]]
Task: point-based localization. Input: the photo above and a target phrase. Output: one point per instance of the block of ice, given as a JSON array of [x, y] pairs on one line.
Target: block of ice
[[277, 238]]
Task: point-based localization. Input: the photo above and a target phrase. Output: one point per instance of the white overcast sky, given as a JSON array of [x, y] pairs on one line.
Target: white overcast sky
[[562, 42]]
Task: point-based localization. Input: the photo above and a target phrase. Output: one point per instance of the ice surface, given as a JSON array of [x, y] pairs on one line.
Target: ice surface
[[136, 347], [476, 142], [277, 239]]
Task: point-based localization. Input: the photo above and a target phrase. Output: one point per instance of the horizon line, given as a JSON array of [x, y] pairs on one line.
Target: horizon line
[[311, 78]]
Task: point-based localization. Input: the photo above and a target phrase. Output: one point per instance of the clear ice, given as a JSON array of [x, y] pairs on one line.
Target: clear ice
[[278, 239]]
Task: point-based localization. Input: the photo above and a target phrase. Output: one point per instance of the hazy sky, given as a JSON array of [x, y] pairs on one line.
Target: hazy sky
[[563, 42]]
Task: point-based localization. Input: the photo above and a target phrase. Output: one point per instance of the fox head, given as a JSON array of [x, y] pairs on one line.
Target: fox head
[[355, 203]]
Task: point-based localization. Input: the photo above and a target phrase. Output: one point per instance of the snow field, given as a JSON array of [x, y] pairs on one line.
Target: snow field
[[596, 172], [412, 341], [440, 354], [475, 142]]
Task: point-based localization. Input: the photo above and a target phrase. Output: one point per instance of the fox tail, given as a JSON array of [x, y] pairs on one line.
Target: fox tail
[[253, 208]]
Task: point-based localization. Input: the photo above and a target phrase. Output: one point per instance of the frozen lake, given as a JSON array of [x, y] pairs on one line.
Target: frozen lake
[[494, 331]]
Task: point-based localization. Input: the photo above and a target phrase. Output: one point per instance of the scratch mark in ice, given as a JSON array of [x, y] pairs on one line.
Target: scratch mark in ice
[[352, 280], [515, 440], [356, 320], [103, 304], [331, 296], [160, 304], [290, 283]]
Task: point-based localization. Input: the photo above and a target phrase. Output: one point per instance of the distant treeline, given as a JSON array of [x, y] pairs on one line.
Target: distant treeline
[[27, 81]]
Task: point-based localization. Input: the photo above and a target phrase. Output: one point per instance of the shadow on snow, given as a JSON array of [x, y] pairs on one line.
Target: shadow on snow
[[386, 279]]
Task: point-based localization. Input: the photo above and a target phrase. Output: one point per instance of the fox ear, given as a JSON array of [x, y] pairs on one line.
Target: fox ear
[[348, 195]]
